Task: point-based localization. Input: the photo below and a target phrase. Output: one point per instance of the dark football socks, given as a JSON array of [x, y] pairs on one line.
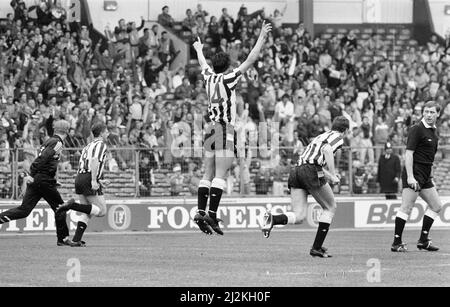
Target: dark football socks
[[79, 232], [281, 219], [428, 220], [215, 194], [399, 226], [203, 195], [321, 234]]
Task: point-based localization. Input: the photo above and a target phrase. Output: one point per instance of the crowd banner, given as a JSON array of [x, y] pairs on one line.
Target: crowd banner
[[172, 214], [381, 213], [176, 214]]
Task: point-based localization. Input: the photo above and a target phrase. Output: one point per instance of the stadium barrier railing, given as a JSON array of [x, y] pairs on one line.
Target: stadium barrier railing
[[8, 173], [161, 172]]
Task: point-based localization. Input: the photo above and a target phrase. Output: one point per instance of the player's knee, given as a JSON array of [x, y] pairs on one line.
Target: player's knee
[[406, 209], [102, 213], [208, 176], [332, 207], [300, 216], [22, 213], [98, 210], [437, 208]]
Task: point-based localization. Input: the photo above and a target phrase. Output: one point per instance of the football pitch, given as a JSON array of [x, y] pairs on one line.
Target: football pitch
[[238, 259]]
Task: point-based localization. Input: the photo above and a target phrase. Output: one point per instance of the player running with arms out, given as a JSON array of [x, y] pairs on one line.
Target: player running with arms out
[[421, 148], [220, 139], [88, 183], [310, 177], [41, 183]]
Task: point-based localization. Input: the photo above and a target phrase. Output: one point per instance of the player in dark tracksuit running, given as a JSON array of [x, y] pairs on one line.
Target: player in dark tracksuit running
[[42, 184]]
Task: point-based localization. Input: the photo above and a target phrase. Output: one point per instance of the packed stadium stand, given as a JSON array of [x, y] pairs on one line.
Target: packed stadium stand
[[125, 78]]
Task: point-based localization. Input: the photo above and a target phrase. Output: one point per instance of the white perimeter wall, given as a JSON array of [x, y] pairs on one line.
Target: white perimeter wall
[[440, 20], [361, 11]]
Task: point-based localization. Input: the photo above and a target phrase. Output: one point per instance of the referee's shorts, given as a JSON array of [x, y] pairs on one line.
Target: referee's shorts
[[422, 173], [220, 136], [83, 185], [306, 177]]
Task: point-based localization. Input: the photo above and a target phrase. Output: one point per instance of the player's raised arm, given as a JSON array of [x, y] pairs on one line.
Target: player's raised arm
[[253, 56], [198, 46]]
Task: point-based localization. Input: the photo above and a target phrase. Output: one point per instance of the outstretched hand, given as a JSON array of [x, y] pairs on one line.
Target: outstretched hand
[[266, 28], [198, 44]]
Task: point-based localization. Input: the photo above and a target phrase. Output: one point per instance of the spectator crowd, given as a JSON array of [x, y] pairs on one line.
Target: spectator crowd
[[51, 68]]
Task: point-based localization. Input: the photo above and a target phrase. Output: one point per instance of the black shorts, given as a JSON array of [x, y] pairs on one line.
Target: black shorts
[[422, 173], [306, 177], [83, 185], [220, 136]]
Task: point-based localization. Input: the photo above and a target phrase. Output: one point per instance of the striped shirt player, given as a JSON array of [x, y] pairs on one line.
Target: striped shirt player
[[221, 92], [313, 153], [308, 177], [309, 174], [88, 184], [220, 138], [94, 151]]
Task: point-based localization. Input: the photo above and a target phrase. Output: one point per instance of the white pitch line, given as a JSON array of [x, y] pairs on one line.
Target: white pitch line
[[231, 231], [355, 271], [2, 284]]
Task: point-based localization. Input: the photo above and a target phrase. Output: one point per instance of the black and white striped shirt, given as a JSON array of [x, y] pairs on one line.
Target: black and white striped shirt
[[94, 150], [313, 153], [221, 91]]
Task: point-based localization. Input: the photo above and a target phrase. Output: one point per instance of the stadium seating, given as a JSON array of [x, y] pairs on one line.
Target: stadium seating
[[123, 184], [395, 37]]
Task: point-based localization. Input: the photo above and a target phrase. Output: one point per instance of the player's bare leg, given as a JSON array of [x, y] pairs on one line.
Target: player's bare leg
[[431, 197], [224, 160], [203, 192], [409, 197], [299, 203], [325, 197], [89, 206], [82, 223]]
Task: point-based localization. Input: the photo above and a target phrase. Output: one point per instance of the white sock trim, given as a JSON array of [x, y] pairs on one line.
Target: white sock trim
[[402, 215], [84, 218], [431, 214], [204, 184], [326, 217], [291, 217], [218, 183]]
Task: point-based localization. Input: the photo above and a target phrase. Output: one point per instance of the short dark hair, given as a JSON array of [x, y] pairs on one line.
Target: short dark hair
[[98, 129], [165, 7], [340, 124], [220, 62], [432, 104]]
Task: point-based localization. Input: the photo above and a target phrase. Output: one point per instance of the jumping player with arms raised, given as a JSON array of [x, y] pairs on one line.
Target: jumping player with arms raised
[[220, 141]]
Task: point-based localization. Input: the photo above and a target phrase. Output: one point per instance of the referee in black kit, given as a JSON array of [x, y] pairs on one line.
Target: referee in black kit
[[42, 183], [417, 177]]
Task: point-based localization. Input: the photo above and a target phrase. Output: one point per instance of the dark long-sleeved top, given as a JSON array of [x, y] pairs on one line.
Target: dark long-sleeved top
[[46, 163]]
